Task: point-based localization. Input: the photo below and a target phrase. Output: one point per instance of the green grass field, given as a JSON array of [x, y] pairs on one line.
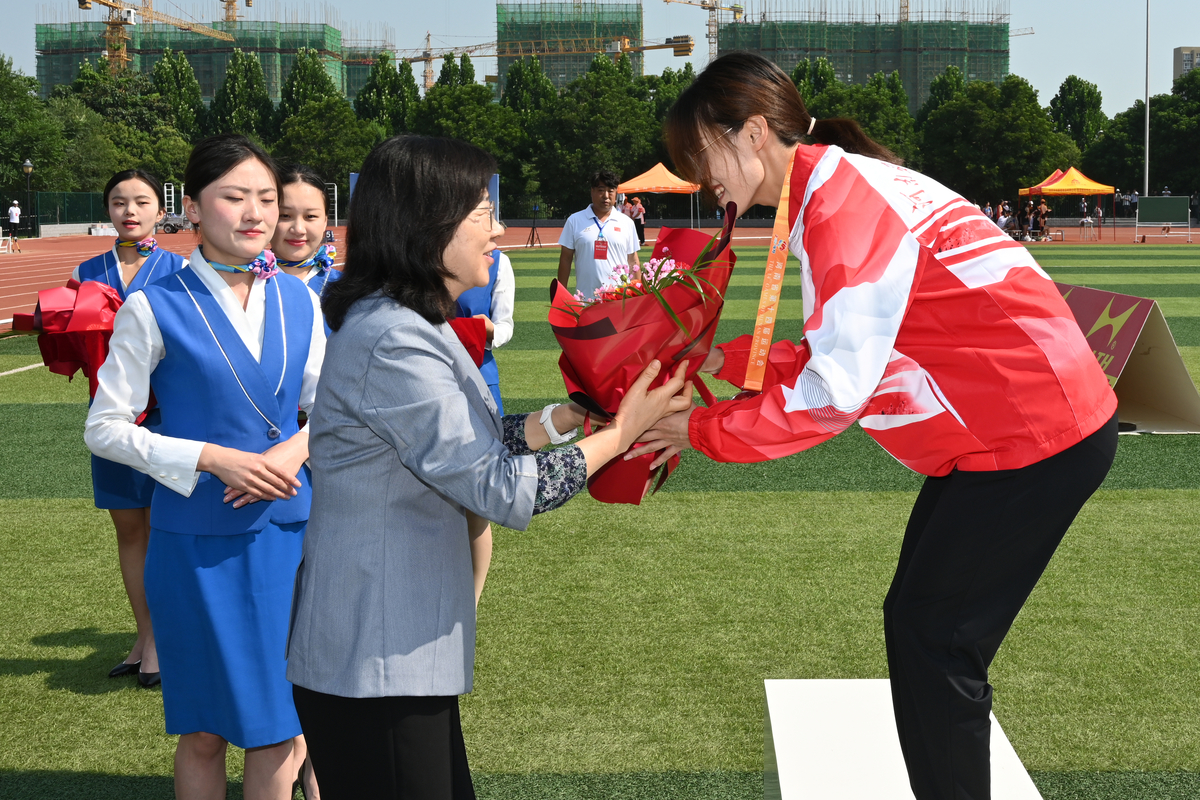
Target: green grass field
[[622, 650]]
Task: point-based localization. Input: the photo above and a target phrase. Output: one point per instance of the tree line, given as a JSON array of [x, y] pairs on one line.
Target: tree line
[[981, 139]]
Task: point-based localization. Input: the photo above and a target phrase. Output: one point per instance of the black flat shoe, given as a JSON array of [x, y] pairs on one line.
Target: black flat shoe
[[148, 679], [123, 669]]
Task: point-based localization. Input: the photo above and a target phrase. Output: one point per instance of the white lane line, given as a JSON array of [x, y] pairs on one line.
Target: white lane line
[[21, 369]]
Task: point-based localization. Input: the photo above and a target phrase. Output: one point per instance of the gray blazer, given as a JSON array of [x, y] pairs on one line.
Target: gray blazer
[[404, 438]]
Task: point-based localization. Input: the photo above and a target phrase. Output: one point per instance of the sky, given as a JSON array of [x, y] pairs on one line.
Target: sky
[[1102, 41]]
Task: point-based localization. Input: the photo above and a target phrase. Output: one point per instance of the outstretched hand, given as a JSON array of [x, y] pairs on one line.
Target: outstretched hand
[[642, 407]]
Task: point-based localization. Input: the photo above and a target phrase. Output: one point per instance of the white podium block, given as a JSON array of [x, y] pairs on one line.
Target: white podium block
[[836, 740]]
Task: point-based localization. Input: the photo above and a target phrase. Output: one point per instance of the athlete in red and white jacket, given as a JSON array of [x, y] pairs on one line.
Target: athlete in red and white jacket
[[923, 322]]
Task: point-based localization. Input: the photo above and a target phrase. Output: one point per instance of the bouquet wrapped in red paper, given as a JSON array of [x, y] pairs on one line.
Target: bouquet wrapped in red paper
[[670, 314], [74, 324]]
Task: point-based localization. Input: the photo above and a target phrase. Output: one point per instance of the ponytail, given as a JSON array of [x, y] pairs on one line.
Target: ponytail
[[738, 86]]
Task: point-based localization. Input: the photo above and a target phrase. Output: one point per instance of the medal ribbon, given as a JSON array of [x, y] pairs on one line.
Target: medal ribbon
[[772, 288]]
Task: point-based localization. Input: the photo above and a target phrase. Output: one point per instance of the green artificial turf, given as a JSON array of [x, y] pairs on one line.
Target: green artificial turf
[[621, 650]]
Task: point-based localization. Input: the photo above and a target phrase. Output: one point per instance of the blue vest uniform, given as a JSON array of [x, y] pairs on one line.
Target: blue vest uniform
[[116, 485], [318, 283], [478, 300], [219, 579], [216, 392]]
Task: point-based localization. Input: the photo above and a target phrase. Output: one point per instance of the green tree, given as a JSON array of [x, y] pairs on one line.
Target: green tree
[[306, 81], [880, 107], [89, 156], [466, 70], [176, 84], [241, 104], [451, 74], [27, 131], [1076, 111], [527, 88], [389, 97], [942, 89], [988, 141], [129, 98], [600, 122], [467, 112], [813, 78], [1118, 156], [326, 135], [163, 152]]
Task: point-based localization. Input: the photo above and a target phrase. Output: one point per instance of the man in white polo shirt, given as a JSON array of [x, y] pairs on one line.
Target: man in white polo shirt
[[599, 239]]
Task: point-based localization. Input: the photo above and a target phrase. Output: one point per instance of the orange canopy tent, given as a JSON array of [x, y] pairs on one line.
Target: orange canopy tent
[[1070, 182], [1058, 173], [659, 180], [1073, 182]]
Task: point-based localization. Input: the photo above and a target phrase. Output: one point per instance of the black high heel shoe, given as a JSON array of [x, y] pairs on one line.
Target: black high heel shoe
[[123, 669], [149, 680]]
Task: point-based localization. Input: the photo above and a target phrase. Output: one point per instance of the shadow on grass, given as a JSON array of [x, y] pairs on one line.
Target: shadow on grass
[[717, 785], [48, 785], [86, 675]]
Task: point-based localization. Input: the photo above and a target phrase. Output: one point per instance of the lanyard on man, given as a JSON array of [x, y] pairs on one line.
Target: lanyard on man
[[600, 247]]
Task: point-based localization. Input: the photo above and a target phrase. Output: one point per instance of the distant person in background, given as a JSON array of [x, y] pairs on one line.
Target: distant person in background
[[493, 304], [627, 207], [1166, 192], [1133, 201], [1125, 204], [598, 239], [134, 200], [1083, 207], [987, 210], [14, 218], [639, 220], [299, 243]]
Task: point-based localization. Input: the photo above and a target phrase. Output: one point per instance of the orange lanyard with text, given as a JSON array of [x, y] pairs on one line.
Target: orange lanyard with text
[[772, 288]]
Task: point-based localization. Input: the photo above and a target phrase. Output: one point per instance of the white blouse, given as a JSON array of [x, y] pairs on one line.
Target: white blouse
[[134, 351], [504, 296]]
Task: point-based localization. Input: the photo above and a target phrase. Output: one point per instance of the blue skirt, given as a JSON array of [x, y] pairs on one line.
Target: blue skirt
[[220, 606], [118, 486]]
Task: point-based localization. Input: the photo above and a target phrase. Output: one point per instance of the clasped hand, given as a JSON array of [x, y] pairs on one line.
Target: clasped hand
[[250, 477], [670, 434]]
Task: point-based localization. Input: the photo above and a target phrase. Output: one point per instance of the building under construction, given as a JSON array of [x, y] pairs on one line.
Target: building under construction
[[62, 45], [525, 27], [868, 36]]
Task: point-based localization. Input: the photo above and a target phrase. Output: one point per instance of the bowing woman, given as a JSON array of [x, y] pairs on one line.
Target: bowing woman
[[298, 243], [134, 199], [947, 343], [407, 444], [230, 349]]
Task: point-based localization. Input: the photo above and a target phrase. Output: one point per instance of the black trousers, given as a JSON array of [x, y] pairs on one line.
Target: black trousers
[[975, 546], [640, 227], [399, 748]]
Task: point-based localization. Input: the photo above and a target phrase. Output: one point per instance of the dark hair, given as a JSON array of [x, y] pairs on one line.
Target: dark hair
[[136, 174], [734, 88], [606, 178], [216, 155], [301, 173], [412, 194]]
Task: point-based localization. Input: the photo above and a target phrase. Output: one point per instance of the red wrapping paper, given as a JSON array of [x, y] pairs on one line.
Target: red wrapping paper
[[472, 333], [609, 344], [74, 323]]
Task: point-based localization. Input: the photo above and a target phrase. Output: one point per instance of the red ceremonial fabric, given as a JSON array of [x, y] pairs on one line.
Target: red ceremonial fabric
[[75, 323], [608, 345], [472, 333]]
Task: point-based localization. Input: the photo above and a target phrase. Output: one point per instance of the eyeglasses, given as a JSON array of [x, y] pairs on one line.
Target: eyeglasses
[[713, 141], [491, 216]]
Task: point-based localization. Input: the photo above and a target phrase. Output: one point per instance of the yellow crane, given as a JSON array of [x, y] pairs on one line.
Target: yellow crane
[[713, 8], [121, 14], [681, 45]]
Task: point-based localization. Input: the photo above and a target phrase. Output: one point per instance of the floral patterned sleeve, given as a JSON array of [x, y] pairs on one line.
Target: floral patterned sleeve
[[562, 473]]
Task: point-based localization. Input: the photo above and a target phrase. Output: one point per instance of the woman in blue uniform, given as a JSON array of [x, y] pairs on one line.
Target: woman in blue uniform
[[299, 237], [494, 305], [134, 199], [230, 348]]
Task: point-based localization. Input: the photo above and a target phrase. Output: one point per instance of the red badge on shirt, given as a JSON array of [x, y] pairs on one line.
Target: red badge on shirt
[[600, 250]]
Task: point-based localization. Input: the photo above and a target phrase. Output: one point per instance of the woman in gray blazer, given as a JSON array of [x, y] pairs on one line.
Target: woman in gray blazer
[[405, 446]]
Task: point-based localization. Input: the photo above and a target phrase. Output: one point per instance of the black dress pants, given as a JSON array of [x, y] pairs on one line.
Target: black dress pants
[[975, 546], [372, 748]]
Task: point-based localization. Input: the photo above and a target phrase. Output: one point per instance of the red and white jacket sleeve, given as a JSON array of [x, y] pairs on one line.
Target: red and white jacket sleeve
[[859, 263]]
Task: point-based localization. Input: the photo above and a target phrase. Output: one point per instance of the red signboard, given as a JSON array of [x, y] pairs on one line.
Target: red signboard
[[1111, 323]]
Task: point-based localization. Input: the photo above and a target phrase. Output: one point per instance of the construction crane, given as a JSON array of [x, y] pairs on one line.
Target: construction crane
[[1021, 32], [681, 45], [121, 14], [714, 8]]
